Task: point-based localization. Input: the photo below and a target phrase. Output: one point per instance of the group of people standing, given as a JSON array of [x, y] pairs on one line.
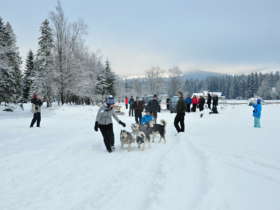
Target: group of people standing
[[137, 107], [199, 102], [190, 105]]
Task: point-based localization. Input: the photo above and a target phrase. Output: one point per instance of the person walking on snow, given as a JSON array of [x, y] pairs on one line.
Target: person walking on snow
[[209, 100], [105, 124], [257, 113], [138, 109], [215, 100], [126, 102], [194, 103], [180, 116], [36, 109], [188, 102], [154, 107], [201, 105], [131, 106]]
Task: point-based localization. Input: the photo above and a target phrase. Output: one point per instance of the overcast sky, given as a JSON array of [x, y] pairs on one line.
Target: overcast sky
[[215, 35]]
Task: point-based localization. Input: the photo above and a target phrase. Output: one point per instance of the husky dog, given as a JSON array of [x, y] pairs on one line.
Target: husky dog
[[151, 130], [126, 138], [159, 129], [140, 140]]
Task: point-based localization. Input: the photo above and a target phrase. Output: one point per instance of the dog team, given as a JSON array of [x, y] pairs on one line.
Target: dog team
[[143, 132]]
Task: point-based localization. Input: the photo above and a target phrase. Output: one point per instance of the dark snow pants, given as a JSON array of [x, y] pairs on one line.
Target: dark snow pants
[[108, 136], [138, 117], [188, 107], [180, 118], [131, 110], [201, 107], [194, 107], [36, 118], [214, 109]]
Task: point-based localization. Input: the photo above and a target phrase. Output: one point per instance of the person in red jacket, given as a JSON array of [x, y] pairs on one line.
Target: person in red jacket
[[126, 102], [194, 103]]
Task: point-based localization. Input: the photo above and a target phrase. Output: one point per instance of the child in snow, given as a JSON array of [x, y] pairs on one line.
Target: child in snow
[[105, 124], [147, 118], [257, 113]]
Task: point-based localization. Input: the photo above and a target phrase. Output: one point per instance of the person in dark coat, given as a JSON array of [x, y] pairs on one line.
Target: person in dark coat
[[167, 103], [138, 109], [36, 109], [209, 100], [188, 102], [153, 107], [201, 103], [105, 124], [180, 116], [131, 106], [215, 104]]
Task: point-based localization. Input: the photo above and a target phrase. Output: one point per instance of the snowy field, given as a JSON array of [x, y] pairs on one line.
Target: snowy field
[[220, 163]]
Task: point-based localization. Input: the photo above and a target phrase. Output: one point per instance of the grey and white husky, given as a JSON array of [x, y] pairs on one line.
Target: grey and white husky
[[151, 130], [126, 138]]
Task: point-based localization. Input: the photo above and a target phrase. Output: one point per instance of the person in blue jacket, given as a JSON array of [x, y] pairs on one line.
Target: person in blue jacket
[[257, 113], [146, 118], [188, 102]]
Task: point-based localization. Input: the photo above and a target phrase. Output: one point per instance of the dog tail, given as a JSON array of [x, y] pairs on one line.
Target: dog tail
[[163, 123]]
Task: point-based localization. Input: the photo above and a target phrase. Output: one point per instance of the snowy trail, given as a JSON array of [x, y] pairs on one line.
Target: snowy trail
[[64, 165]]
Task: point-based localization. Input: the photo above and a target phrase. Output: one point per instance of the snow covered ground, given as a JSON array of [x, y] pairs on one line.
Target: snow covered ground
[[221, 162]]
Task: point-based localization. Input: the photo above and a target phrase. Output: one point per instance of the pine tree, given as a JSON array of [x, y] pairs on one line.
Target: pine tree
[[44, 64], [105, 81], [265, 90], [5, 71], [28, 76], [110, 76], [11, 77]]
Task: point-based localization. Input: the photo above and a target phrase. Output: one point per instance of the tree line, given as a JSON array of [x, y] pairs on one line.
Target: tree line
[[62, 69], [168, 82]]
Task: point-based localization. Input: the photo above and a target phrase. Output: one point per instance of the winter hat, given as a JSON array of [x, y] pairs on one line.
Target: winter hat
[[259, 101], [110, 100]]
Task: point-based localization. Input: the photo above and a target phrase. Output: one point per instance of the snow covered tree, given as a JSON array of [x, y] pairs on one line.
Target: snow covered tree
[[6, 82], [175, 81], [44, 65], [105, 84], [28, 76], [155, 80], [265, 89], [11, 77], [14, 62], [277, 88], [68, 37]]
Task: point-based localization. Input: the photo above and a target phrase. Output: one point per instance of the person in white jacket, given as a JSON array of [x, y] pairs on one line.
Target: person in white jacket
[[105, 124]]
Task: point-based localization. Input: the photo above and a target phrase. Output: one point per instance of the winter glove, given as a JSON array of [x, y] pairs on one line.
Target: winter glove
[[96, 126], [122, 123]]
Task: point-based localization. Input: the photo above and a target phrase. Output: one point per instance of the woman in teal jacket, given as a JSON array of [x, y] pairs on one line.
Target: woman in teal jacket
[[257, 113]]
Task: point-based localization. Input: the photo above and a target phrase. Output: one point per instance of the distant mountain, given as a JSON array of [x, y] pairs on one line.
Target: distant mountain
[[201, 75]]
